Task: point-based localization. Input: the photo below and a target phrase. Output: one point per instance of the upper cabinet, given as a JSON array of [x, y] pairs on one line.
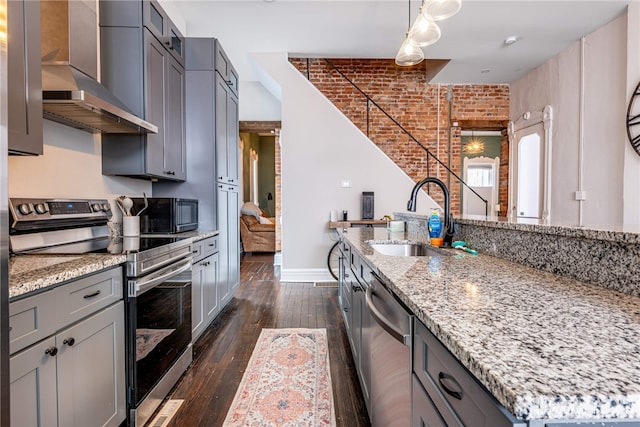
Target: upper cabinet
[[25, 84], [142, 59], [226, 106]]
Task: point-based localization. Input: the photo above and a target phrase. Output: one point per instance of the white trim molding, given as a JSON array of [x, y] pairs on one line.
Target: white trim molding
[[528, 119], [306, 275]]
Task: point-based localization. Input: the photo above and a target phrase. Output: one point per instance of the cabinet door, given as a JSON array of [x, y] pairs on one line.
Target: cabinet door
[[234, 238], [210, 292], [226, 133], [224, 284], [423, 411], [155, 70], [25, 83], [175, 150], [229, 241], [33, 386], [197, 299], [221, 101], [232, 138], [91, 371]]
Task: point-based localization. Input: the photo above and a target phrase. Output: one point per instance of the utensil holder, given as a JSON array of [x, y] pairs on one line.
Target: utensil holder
[[131, 225]]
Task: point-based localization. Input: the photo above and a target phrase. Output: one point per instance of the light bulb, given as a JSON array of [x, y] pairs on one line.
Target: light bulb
[[409, 53], [424, 31]]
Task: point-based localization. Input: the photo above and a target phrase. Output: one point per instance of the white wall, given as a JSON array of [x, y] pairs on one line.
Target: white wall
[[70, 167], [321, 147], [557, 83]]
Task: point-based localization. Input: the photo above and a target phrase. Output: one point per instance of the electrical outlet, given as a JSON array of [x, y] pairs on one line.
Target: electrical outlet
[[581, 195], [345, 183]]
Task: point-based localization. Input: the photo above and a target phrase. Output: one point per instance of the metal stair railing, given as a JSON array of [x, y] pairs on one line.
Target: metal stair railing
[[370, 102]]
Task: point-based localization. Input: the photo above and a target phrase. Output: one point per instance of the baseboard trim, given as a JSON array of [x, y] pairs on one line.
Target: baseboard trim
[[305, 275], [277, 258]]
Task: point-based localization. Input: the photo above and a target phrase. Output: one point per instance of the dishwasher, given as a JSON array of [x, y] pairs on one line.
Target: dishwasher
[[390, 352]]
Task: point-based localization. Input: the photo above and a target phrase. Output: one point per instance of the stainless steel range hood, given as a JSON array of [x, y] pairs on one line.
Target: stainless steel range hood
[[71, 95]]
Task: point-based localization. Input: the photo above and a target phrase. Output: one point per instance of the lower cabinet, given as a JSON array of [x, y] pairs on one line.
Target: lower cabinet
[[423, 411], [206, 298], [229, 237], [455, 395], [75, 377]]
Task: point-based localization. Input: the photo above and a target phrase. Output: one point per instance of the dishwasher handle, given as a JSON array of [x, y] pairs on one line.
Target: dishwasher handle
[[383, 322]]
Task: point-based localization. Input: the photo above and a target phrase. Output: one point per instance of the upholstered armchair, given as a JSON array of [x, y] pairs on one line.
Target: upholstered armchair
[[258, 233]]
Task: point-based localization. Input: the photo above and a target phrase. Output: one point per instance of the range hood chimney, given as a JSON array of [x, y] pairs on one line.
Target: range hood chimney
[[71, 94]]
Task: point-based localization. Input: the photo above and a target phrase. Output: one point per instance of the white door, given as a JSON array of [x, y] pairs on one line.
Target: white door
[[482, 176]]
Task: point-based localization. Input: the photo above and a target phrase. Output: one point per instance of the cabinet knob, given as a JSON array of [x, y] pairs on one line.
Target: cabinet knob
[[346, 310], [51, 351], [69, 341]]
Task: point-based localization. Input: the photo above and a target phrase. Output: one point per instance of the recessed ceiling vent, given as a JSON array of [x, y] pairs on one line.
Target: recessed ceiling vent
[[71, 94]]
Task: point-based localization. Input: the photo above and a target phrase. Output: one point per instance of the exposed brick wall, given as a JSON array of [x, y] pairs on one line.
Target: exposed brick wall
[[405, 95], [504, 174], [278, 194]]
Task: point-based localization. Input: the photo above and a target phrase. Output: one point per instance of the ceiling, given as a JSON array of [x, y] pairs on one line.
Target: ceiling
[[472, 39]]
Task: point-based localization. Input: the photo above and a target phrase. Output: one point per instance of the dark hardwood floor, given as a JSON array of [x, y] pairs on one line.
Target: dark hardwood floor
[[222, 352]]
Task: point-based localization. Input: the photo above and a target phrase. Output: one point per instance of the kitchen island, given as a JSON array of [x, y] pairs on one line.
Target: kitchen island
[[545, 346]]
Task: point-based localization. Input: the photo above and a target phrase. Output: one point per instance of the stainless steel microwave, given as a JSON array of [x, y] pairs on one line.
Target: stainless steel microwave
[[166, 214]]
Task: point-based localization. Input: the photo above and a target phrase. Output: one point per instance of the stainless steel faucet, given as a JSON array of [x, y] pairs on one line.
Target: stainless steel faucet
[[448, 218]]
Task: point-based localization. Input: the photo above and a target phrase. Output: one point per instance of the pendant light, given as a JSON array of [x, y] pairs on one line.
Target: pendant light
[[409, 54], [424, 31], [443, 9]]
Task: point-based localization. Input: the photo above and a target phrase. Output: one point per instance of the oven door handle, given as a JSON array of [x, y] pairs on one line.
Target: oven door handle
[[140, 286]]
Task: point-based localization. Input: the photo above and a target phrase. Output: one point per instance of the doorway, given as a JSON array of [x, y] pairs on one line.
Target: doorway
[[260, 164], [480, 152]]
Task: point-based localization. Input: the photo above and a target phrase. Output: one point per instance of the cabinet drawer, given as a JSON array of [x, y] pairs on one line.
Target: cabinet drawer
[[210, 246], [450, 385], [31, 319], [197, 250], [82, 297]]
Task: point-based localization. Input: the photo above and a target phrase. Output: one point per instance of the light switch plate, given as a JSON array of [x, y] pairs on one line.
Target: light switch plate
[[345, 183], [581, 195]]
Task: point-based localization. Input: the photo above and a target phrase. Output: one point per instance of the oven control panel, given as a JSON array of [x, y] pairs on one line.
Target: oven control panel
[[31, 209]]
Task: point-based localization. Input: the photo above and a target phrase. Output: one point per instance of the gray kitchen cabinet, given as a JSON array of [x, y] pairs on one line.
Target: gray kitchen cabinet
[[142, 60], [227, 168], [423, 411], [205, 302], [456, 395], [345, 287], [33, 386], [200, 134], [25, 82], [229, 229], [75, 375], [212, 138], [224, 67]]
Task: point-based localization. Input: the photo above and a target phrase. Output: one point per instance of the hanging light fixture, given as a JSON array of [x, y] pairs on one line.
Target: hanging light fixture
[[424, 31], [409, 54], [443, 9]]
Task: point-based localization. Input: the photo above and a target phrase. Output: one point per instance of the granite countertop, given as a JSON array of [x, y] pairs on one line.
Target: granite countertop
[[31, 273], [34, 273], [546, 346]]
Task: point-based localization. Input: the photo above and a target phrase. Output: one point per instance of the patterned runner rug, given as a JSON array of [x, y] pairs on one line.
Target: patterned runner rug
[[287, 382]]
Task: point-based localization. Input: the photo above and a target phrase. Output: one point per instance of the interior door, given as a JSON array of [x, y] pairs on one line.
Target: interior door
[[529, 172]]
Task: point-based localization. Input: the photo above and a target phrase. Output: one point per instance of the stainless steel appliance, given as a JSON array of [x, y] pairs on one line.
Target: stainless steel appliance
[[158, 293], [167, 214], [390, 346]]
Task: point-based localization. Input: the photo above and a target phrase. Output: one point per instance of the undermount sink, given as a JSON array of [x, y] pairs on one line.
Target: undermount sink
[[407, 249]]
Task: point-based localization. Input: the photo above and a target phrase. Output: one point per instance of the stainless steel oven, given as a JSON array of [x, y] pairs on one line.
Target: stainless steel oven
[[158, 310], [158, 293]]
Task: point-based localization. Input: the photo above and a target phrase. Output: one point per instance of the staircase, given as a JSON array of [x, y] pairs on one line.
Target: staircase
[[394, 132]]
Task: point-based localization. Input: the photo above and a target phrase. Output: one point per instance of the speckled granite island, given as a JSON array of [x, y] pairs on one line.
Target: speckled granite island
[[546, 346]]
